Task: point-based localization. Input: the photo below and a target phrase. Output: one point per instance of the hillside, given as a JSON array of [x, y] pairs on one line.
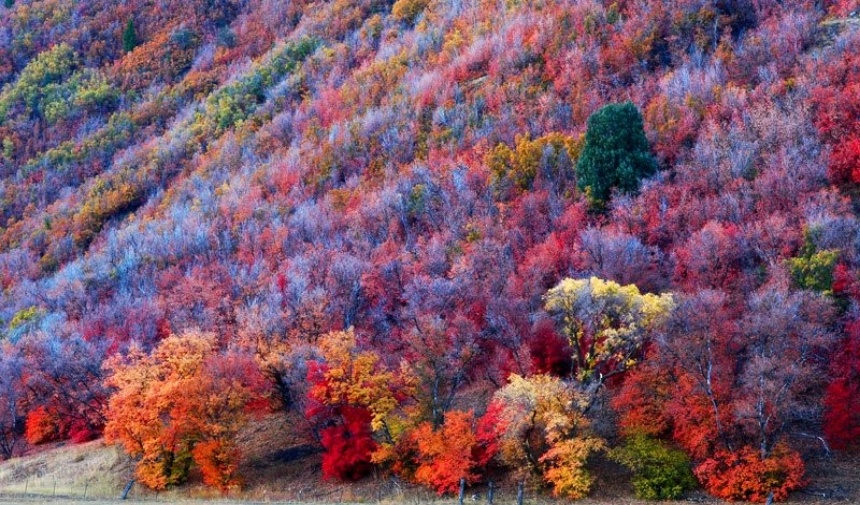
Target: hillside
[[450, 239]]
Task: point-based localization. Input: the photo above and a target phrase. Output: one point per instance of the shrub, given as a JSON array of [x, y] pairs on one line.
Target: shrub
[[842, 397], [349, 446], [42, 426], [813, 269], [454, 451], [659, 472], [8, 149], [745, 475], [353, 396], [565, 466], [81, 430], [219, 463]]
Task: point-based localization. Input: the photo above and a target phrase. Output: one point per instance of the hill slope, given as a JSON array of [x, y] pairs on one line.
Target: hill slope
[[270, 172]]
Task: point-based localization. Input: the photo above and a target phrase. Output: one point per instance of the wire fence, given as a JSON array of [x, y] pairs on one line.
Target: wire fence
[[393, 492]]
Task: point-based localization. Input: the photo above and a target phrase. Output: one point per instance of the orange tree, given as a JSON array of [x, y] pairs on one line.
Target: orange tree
[[181, 404], [459, 449]]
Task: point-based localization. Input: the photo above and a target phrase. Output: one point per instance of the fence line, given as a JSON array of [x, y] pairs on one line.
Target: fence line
[[489, 493]]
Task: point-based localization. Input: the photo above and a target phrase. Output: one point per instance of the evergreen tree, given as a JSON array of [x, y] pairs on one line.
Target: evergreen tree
[[616, 152], [129, 37], [8, 3]]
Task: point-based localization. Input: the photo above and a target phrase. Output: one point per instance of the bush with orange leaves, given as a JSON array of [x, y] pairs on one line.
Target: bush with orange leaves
[[219, 463], [746, 475], [42, 426], [182, 404], [459, 449]]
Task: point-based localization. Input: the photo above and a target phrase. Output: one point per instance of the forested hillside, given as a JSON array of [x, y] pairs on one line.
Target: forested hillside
[[448, 239]]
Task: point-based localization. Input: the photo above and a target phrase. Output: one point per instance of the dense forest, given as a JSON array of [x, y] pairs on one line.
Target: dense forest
[[446, 239]]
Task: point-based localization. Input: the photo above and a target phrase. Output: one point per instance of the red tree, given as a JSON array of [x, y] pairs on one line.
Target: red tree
[[842, 397]]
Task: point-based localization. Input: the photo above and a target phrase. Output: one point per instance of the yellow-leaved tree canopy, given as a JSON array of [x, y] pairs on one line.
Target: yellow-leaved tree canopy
[[544, 434], [606, 325]]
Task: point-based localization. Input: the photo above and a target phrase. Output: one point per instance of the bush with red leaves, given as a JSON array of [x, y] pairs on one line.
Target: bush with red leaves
[[45, 425], [42, 426], [842, 397], [348, 446], [745, 475], [549, 351]]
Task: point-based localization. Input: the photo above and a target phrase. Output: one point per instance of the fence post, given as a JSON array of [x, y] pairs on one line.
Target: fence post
[[520, 493], [54, 493], [462, 490], [26, 486], [490, 494], [127, 490], [86, 488]]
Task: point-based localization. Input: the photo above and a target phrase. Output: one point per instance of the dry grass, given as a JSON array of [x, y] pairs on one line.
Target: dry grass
[[279, 468], [90, 468]]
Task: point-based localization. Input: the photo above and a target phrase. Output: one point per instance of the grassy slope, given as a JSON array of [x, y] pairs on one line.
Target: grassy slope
[[280, 469]]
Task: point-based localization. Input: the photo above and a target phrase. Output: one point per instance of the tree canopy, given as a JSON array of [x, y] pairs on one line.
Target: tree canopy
[[616, 154]]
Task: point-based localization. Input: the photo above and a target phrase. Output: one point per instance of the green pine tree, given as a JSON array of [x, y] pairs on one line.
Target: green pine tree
[[616, 152], [129, 37], [8, 3]]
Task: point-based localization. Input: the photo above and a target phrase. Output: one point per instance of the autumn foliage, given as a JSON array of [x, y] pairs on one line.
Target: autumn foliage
[[391, 222], [353, 398], [181, 404], [544, 434], [842, 396], [746, 475], [349, 445], [459, 449], [42, 426]]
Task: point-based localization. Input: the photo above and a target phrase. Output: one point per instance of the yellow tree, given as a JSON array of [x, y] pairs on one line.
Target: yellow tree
[[553, 155], [355, 377], [606, 325], [545, 435], [356, 398]]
